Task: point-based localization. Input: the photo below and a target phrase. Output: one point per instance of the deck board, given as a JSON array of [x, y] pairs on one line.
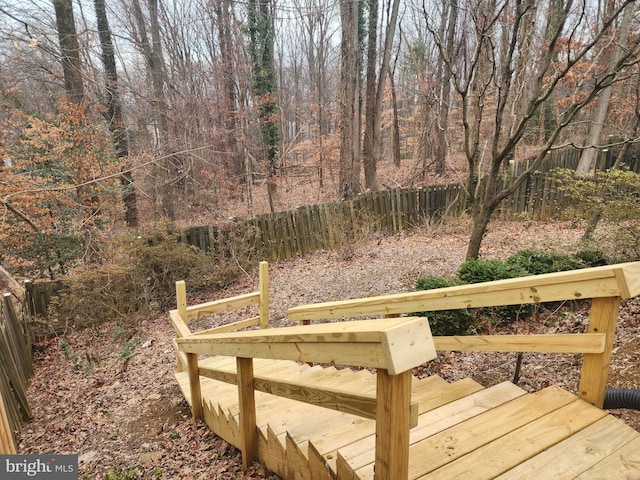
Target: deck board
[[463, 431]]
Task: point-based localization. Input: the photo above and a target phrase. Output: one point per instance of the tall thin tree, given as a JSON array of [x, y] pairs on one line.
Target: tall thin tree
[[114, 112], [69, 50]]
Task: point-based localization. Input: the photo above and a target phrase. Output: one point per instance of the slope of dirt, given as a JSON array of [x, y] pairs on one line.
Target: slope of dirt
[[108, 392]]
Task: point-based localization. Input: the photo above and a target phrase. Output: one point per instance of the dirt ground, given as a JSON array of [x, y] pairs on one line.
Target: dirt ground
[[108, 392]]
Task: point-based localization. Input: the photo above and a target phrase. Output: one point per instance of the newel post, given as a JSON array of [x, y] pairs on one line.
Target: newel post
[[263, 275], [192, 358], [393, 418], [603, 318]]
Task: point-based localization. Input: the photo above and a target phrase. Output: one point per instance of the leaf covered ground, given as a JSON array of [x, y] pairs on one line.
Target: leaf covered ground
[[108, 392]]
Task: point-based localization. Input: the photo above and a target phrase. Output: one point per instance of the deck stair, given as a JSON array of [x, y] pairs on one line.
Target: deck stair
[[283, 398], [463, 429]]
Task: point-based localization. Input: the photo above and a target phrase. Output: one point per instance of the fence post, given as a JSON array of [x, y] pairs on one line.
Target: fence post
[[247, 405], [393, 420], [7, 443], [264, 294]]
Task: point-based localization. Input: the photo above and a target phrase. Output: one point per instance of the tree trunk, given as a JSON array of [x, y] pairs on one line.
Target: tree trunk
[[151, 51], [445, 98], [350, 100], [114, 110], [590, 154], [375, 89], [234, 162], [69, 50], [396, 123]]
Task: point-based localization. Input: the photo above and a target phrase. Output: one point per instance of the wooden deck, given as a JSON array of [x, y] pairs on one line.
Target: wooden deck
[[257, 390], [463, 431]]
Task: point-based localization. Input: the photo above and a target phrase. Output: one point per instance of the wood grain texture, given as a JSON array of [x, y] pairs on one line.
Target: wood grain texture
[[543, 343], [621, 280], [247, 406], [594, 373], [392, 426], [396, 345]]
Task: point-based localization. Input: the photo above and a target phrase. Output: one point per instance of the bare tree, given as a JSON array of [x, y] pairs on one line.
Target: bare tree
[[350, 150], [487, 81], [376, 81], [69, 50], [114, 112], [590, 153]]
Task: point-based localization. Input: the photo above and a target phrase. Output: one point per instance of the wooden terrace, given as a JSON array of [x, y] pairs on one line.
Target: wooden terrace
[[277, 395]]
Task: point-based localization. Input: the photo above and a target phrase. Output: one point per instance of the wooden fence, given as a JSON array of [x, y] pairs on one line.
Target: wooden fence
[[15, 370], [309, 228]]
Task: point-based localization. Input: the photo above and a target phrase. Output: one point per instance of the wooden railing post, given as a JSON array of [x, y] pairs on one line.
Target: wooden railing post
[[181, 300], [264, 294], [393, 418], [197, 411], [595, 366], [247, 405]]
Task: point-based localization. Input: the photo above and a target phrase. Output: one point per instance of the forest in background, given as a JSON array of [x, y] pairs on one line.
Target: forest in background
[[132, 113]]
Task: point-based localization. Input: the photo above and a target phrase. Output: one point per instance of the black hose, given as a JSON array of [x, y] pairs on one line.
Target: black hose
[[621, 398]]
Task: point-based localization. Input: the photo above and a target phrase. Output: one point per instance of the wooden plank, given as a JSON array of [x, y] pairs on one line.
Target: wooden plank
[[271, 452], [430, 399], [624, 463], [182, 358], [181, 300], [448, 414], [7, 442], [517, 446], [247, 405], [223, 305], [571, 457], [595, 366], [179, 325], [465, 437], [545, 343], [337, 397], [394, 344], [587, 283], [392, 426], [231, 327]]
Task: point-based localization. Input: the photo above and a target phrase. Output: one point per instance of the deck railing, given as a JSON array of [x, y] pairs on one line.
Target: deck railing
[[606, 286], [392, 346]]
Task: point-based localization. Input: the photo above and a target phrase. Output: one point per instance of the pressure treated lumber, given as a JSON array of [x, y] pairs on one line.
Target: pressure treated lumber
[[622, 280], [542, 343], [334, 398], [396, 345], [595, 366]]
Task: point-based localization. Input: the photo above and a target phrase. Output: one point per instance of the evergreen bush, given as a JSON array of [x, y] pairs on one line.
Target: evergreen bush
[[445, 322]]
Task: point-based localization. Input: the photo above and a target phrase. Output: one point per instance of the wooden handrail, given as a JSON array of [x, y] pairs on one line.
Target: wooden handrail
[[392, 346], [606, 286], [622, 280], [396, 345], [340, 400]]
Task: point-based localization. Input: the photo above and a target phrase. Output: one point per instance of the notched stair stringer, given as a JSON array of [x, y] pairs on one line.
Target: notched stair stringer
[[344, 470], [272, 452]]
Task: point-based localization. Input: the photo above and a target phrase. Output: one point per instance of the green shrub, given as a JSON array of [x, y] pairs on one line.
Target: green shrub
[[478, 271], [591, 257], [538, 262], [445, 322]]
